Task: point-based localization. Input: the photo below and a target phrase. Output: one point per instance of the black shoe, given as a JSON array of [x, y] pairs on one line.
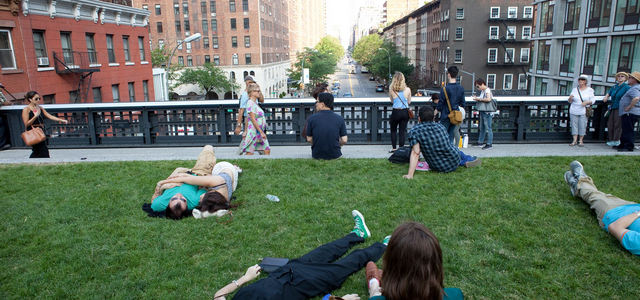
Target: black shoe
[[625, 150], [5, 147], [487, 147]]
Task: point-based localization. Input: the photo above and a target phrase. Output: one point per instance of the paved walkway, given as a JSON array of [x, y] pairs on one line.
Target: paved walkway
[[349, 151]]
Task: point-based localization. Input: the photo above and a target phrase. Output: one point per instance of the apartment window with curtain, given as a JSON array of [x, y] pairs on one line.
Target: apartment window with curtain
[[181, 60], [624, 54], [125, 44], [512, 12], [73, 96], [524, 55], [91, 48], [494, 32], [594, 57], [205, 27], [67, 49], [546, 13], [246, 23], [247, 58], [189, 61], [543, 55], [185, 9], [203, 9], [527, 12], [245, 5], [176, 10], [216, 60], [511, 32], [115, 92], [509, 55], [214, 25], [97, 94], [212, 7], [143, 57], [214, 41], [158, 10], [207, 59], [232, 5], [234, 59], [187, 26], [491, 81], [247, 41], [572, 16], [233, 24], [522, 82], [49, 99], [627, 12], [234, 42], [145, 90], [7, 55], [568, 55], [132, 92], [205, 43], [599, 13], [507, 84], [40, 48], [110, 51], [178, 27]]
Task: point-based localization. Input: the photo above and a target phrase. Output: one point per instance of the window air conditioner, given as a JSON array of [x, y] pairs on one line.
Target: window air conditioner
[[43, 61]]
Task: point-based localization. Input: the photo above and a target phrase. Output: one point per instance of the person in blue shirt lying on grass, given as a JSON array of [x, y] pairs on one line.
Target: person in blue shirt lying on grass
[[621, 218]]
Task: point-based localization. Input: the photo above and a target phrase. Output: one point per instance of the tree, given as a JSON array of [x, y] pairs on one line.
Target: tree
[[366, 48], [159, 57], [381, 60], [331, 45], [208, 77], [320, 65]]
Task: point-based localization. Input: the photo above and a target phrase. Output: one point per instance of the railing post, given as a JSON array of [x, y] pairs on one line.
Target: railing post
[[521, 119], [374, 122], [93, 137], [146, 126], [302, 122], [222, 124]]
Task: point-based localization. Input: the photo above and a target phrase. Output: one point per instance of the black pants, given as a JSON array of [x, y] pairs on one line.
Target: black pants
[[316, 273], [40, 150], [398, 117], [628, 121]]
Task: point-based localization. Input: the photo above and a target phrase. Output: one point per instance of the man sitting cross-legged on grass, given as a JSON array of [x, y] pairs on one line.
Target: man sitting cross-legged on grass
[[619, 217], [313, 274], [207, 185], [432, 139]]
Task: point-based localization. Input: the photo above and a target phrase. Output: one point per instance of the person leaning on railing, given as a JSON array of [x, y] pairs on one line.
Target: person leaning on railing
[[629, 113]]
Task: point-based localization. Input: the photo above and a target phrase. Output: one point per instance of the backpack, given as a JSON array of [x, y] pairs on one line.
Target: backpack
[[401, 155]]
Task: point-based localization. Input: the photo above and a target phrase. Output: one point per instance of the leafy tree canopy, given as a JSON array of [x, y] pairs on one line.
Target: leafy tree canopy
[[331, 45], [320, 65], [208, 77], [390, 60], [366, 48], [159, 57]]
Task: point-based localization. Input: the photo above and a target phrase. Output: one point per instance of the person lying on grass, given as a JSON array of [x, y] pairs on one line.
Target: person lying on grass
[[313, 274], [203, 190]]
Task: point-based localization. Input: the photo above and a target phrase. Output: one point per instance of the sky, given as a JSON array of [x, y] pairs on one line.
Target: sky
[[341, 16]]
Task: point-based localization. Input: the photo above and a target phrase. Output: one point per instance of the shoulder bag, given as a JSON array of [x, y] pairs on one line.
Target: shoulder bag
[[411, 115], [589, 109], [455, 116]]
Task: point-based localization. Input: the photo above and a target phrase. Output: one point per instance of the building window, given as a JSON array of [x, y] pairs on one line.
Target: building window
[[7, 56], [178, 27], [246, 23], [143, 57], [624, 54], [594, 58], [512, 12], [207, 59], [216, 60], [599, 13], [132, 92], [145, 90], [492, 55], [176, 10], [185, 9], [181, 60], [125, 44], [627, 12], [232, 5], [203, 9], [543, 55], [97, 95], [187, 26], [205, 27], [234, 42], [459, 33], [508, 82], [110, 51], [214, 41], [145, 7], [205, 43], [159, 27], [245, 5], [508, 55], [214, 25], [189, 61], [460, 13], [526, 32], [73, 96], [546, 23], [158, 10], [522, 82], [458, 56], [91, 48], [572, 16], [233, 23], [527, 12], [511, 32], [494, 32], [188, 46], [160, 43], [212, 7], [494, 12], [491, 81], [115, 91], [40, 48], [568, 55], [247, 41], [524, 55], [49, 99], [247, 59], [234, 59], [67, 50]]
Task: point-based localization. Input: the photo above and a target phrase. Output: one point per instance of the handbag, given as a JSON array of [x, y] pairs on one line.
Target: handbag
[[33, 136], [401, 156], [589, 109], [455, 116]]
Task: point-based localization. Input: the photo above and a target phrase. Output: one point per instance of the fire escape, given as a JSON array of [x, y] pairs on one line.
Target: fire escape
[[78, 64]]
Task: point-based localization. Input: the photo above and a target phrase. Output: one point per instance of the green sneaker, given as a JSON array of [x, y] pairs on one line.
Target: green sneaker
[[386, 240], [360, 228]]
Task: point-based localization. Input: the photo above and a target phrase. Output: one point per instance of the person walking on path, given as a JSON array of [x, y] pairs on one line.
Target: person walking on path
[[456, 97], [580, 97], [620, 218], [629, 113], [254, 137], [486, 114], [614, 127], [400, 96], [244, 102], [33, 116]]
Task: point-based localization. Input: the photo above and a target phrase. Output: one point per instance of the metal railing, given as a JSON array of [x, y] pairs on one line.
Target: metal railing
[[191, 123]]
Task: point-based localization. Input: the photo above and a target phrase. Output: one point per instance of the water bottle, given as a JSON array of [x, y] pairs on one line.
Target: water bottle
[[465, 140], [273, 198]]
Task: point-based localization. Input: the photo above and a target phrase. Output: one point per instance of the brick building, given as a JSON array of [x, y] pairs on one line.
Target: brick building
[[75, 51], [242, 37]]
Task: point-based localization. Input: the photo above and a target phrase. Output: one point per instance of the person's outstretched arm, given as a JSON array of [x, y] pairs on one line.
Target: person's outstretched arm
[[251, 274], [206, 181], [619, 227]]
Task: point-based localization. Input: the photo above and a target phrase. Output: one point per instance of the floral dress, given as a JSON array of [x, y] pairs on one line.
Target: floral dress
[[253, 142]]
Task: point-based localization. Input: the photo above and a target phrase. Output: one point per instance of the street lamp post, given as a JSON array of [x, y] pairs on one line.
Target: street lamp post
[[389, 56], [473, 78], [191, 38]]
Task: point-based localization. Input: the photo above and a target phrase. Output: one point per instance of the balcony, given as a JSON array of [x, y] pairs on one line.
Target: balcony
[[75, 62], [494, 40], [505, 18], [507, 64]]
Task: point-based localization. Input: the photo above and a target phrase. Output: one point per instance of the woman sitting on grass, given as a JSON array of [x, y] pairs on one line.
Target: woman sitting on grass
[[419, 277]]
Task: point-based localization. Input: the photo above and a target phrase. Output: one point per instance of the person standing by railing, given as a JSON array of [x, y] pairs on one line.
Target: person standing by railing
[[614, 128], [254, 137], [486, 114], [629, 112], [580, 97], [33, 116], [455, 93], [400, 96]]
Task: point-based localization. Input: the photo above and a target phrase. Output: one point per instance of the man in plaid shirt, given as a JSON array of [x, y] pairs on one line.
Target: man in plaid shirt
[[432, 140]]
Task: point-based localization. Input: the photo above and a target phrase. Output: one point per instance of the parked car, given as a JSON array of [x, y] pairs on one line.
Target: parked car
[[347, 95], [371, 78], [364, 69], [380, 88]]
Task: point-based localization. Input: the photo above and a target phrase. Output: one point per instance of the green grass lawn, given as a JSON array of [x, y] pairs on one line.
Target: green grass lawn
[[508, 229]]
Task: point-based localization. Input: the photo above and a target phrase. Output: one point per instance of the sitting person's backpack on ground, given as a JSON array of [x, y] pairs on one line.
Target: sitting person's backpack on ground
[[401, 156]]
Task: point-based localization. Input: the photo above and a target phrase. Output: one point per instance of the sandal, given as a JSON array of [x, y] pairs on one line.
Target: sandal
[[572, 144], [581, 145]]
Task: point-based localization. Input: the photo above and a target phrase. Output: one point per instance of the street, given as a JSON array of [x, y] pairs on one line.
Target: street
[[358, 84]]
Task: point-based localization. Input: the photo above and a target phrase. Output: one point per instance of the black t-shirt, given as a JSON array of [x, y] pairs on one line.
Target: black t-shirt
[[326, 128]]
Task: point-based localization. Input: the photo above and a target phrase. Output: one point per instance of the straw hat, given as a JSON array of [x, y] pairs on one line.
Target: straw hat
[[635, 75], [625, 74]]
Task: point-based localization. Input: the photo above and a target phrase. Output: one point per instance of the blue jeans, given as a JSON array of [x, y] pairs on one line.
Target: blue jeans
[[451, 129], [465, 158], [485, 127]]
